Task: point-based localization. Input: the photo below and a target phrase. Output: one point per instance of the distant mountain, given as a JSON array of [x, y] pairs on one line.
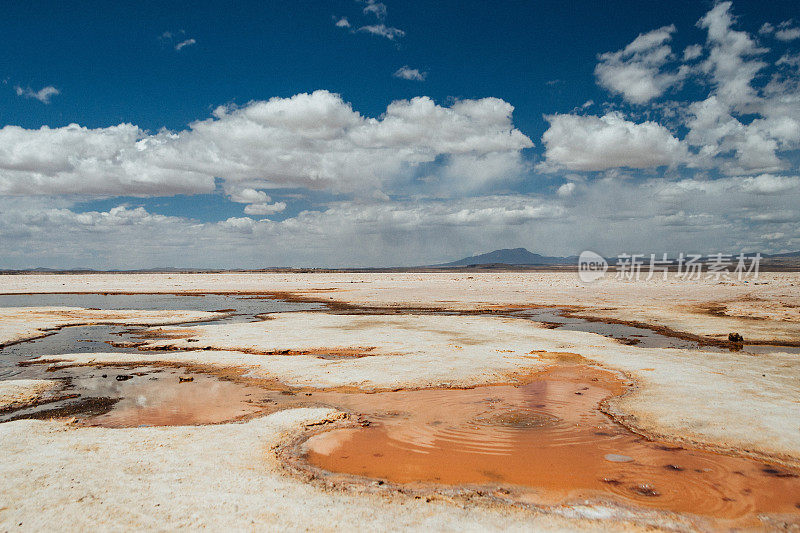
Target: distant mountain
[[790, 254], [789, 262], [512, 256]]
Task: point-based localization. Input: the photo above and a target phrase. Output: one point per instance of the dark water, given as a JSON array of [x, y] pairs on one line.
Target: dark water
[[641, 337], [88, 339], [242, 305]]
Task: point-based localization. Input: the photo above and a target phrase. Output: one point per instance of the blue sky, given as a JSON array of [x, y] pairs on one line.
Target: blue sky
[[476, 177]]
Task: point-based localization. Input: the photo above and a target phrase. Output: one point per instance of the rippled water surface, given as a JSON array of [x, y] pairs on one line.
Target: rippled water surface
[[549, 440]]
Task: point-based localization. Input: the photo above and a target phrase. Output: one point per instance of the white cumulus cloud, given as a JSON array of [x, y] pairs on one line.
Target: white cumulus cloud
[[732, 59], [788, 34], [314, 141], [635, 72], [743, 123], [692, 52], [382, 30], [183, 44], [248, 196], [264, 208], [566, 189], [375, 8], [43, 95], [591, 143], [407, 73], [783, 32]]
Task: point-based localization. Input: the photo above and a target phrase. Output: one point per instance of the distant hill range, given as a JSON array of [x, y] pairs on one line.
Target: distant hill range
[[505, 259], [790, 255], [512, 256], [523, 257]]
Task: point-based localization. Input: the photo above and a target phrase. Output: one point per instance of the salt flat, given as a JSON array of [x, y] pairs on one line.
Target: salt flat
[[726, 400], [731, 400], [766, 309], [21, 392]]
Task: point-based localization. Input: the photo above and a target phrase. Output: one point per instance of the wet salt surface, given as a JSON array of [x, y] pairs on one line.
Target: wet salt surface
[[145, 396], [641, 337], [92, 339], [544, 442], [241, 304], [174, 397], [243, 308], [94, 393], [246, 308], [547, 440]]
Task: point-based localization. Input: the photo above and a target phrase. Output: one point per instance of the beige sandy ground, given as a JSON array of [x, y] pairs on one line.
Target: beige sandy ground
[[724, 399], [765, 309], [18, 393], [24, 323]]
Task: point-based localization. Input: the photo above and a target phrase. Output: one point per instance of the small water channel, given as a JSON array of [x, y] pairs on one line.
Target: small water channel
[[89, 391]]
